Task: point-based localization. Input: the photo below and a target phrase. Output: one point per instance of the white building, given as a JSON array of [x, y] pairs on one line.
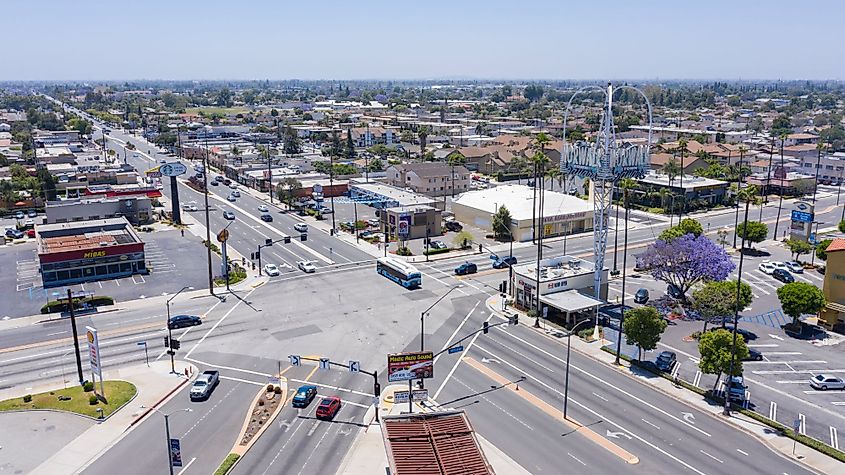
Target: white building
[[567, 285], [562, 214]]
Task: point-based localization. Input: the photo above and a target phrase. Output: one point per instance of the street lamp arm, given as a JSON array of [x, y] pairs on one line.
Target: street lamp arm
[[441, 298], [180, 291], [571, 332]]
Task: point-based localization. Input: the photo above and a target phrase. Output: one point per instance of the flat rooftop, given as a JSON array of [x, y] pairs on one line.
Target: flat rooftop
[[691, 182], [404, 198], [519, 200], [84, 235], [554, 268]]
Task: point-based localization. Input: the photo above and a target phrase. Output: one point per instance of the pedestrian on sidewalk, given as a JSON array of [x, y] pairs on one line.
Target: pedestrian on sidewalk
[[186, 372], [183, 232]]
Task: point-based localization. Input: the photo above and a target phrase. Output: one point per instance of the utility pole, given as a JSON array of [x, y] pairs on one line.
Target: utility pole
[[738, 189], [727, 410], [207, 218], [75, 336], [780, 188], [331, 189]]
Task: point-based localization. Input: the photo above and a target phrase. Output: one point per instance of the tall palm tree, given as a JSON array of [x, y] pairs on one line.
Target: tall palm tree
[[742, 150], [539, 145], [554, 174], [423, 136], [671, 168], [682, 148]]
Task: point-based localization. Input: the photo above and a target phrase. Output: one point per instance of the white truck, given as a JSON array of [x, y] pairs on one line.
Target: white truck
[[204, 385]]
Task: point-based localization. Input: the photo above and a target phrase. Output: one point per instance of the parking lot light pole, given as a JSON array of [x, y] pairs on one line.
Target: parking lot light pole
[[727, 410], [566, 382], [170, 331], [167, 433]]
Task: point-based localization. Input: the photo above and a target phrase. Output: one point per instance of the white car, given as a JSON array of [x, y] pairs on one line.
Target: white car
[[236, 193], [766, 267], [794, 267], [263, 208], [233, 186], [272, 270], [306, 266], [780, 265], [189, 207], [301, 227], [826, 381]]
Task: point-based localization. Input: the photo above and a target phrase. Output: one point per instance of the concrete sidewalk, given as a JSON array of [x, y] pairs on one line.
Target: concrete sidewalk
[[806, 455], [155, 384]]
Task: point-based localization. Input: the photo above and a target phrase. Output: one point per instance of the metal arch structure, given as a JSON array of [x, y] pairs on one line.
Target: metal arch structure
[[604, 162]]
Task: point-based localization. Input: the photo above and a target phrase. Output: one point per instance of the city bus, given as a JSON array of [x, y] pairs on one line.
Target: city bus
[[398, 271]]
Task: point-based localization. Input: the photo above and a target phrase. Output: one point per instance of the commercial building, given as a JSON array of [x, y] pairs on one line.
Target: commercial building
[[411, 222], [137, 209], [833, 315], [783, 181], [566, 285], [694, 193], [562, 214], [430, 178], [87, 251], [385, 196]]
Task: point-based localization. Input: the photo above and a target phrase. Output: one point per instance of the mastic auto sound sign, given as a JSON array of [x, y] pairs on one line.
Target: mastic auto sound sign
[[408, 366]]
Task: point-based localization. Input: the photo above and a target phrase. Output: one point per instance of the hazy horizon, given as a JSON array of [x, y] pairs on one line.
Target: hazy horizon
[[379, 40]]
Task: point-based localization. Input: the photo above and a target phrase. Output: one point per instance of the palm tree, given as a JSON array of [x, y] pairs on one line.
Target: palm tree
[[742, 150], [663, 192], [540, 141], [552, 174], [237, 153], [671, 168], [780, 191], [682, 148], [423, 135]]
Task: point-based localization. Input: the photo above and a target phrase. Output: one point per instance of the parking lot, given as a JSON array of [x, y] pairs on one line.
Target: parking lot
[[171, 259]]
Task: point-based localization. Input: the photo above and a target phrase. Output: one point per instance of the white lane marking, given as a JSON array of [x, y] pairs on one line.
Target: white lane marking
[[712, 457], [209, 411], [592, 411], [762, 345], [834, 438], [218, 322], [449, 342], [472, 390], [356, 404], [782, 353], [742, 452], [773, 411], [329, 386], [458, 362], [186, 466], [230, 368], [697, 379], [239, 380], [651, 424], [792, 381], [606, 383], [838, 403], [576, 459], [600, 397], [57, 333]]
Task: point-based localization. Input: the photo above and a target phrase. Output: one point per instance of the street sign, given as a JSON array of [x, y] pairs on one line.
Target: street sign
[[354, 366], [295, 360], [796, 425], [813, 238], [223, 235], [173, 169], [456, 349], [324, 363], [317, 188], [408, 366], [175, 453], [273, 380], [802, 216], [416, 395]]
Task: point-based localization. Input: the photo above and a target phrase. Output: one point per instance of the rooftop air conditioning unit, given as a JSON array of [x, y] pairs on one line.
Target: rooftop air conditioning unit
[[575, 263]]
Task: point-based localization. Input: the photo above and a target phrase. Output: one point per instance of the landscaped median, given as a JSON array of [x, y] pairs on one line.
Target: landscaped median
[[800, 438], [263, 410], [76, 399]]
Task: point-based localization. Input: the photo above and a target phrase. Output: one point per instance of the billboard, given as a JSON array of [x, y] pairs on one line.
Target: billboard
[[404, 228], [173, 169], [408, 366], [94, 351]]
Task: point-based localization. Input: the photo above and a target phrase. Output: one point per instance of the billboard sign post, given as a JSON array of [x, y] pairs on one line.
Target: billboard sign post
[[94, 357], [409, 366], [801, 222]]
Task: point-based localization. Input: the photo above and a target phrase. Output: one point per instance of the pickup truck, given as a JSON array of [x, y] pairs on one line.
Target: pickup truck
[[204, 385]]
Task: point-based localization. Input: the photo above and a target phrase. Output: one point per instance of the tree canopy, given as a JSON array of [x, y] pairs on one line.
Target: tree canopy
[[821, 249], [715, 350], [686, 226], [799, 298], [687, 260], [643, 327], [717, 299], [798, 247], [752, 231], [501, 224]]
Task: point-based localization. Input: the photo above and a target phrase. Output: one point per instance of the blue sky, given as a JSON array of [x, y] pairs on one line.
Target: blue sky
[[430, 39]]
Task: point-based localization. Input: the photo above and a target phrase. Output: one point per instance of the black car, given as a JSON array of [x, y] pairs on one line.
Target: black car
[[504, 262], [304, 396], [674, 291], [454, 226], [753, 355], [747, 335], [213, 183], [182, 321], [466, 268], [783, 276], [267, 217], [665, 361], [641, 297]]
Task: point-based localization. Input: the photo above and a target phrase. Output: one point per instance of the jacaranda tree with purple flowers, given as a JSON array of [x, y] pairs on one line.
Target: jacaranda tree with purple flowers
[[687, 260]]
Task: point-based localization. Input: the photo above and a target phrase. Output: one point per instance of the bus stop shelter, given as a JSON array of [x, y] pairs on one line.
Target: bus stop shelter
[[571, 301]]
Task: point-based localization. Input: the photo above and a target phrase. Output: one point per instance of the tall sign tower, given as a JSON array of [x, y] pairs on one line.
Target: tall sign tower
[[604, 162]]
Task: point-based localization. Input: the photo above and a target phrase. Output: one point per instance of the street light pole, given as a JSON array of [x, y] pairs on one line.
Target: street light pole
[[727, 410], [170, 331], [566, 383], [422, 320], [207, 217], [75, 336], [167, 434]]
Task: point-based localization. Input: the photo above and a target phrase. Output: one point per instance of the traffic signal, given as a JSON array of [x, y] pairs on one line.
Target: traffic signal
[[268, 242], [252, 256], [513, 319], [175, 344], [287, 240], [303, 237], [166, 342], [504, 286], [485, 328]]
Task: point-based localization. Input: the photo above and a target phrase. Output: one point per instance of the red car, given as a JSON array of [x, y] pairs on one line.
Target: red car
[[328, 407], [30, 233]]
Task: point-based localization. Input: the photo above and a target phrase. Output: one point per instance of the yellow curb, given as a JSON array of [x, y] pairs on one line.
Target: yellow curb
[[557, 414]]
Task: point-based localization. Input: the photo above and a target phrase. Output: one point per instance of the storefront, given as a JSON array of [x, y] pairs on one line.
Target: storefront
[[557, 274], [87, 251]]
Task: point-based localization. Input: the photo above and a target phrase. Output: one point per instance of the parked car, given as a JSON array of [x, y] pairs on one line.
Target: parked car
[[229, 215], [306, 266], [373, 222], [231, 198], [641, 297], [189, 207], [227, 181], [30, 233], [826, 381], [19, 215], [325, 210], [13, 233], [204, 385], [794, 267], [438, 245], [271, 270], [263, 208], [267, 217], [746, 334], [232, 185], [304, 395], [182, 321], [236, 193], [31, 213], [301, 227], [665, 361], [504, 262], [673, 291], [454, 226], [783, 276], [466, 268], [214, 183], [328, 407], [754, 355], [736, 389], [766, 267]]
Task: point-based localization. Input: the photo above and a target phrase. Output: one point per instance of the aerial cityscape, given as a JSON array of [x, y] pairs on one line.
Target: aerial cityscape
[[377, 240]]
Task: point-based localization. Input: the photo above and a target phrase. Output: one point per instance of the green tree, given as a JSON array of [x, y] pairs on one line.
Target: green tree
[[349, 151], [798, 247], [718, 299], [501, 224], [375, 165], [781, 126], [48, 184], [672, 169], [292, 142], [842, 226], [821, 249], [799, 298], [686, 226], [461, 238], [752, 231], [714, 347], [643, 327], [533, 92], [287, 190]]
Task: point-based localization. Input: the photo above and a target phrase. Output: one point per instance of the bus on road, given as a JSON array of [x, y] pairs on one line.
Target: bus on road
[[399, 271]]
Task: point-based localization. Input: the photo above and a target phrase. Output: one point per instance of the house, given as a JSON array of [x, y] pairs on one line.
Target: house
[[691, 163], [431, 178], [800, 139]]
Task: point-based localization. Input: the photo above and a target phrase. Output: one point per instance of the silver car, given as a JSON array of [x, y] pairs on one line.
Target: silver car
[[826, 381], [794, 267]]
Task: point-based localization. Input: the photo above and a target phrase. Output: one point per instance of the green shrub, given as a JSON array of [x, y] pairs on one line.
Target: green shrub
[[432, 252], [586, 333], [227, 464], [269, 388], [277, 390], [404, 251], [88, 386], [93, 400], [27, 398]]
